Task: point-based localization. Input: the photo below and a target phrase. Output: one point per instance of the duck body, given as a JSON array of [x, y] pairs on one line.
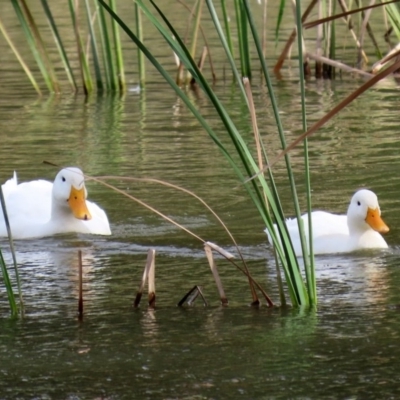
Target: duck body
[[360, 229], [41, 208]]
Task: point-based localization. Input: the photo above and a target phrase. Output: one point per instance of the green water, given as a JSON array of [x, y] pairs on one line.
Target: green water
[[347, 348]]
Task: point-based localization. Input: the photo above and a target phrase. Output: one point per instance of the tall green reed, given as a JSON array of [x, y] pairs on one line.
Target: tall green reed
[[36, 45], [104, 70], [259, 188], [7, 281]]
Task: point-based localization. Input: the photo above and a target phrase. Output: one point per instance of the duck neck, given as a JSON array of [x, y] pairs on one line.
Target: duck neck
[[59, 211], [356, 229]]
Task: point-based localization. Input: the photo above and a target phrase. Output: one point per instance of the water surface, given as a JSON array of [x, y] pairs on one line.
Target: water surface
[[346, 348]]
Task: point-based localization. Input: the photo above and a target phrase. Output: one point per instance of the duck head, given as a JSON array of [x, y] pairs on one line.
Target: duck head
[[364, 213], [69, 193]]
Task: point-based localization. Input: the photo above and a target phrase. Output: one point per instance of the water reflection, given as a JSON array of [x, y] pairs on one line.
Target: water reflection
[[355, 279], [346, 347]]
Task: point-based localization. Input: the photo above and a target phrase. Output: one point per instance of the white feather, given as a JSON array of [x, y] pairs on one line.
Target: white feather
[[342, 233], [40, 208]]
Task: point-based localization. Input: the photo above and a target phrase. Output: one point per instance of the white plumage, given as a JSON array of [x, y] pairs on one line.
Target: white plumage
[[361, 228], [41, 208]]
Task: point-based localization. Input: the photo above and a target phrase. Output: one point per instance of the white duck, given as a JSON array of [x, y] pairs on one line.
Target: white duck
[[41, 208], [332, 233]]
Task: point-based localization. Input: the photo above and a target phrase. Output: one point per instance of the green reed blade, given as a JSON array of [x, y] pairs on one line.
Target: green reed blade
[[298, 294], [243, 38], [107, 55], [34, 46], [183, 96], [7, 281], [21, 61], [139, 34], [393, 12], [225, 45], [227, 26], [279, 20], [280, 222], [195, 33], [118, 51], [59, 44], [247, 161], [309, 264], [95, 52], [239, 23], [8, 285], [241, 147], [83, 62], [105, 60], [41, 47]]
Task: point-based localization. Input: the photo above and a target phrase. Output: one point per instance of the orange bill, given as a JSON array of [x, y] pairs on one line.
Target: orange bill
[[375, 221], [77, 202]]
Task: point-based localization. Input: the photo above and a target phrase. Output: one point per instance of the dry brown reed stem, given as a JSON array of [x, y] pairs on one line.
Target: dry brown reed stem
[[214, 270], [311, 24], [392, 54], [349, 23], [320, 34], [220, 250], [151, 279], [244, 270], [291, 39], [167, 184], [257, 140], [202, 58], [394, 67], [19, 58], [80, 280], [148, 276], [253, 116], [229, 257], [100, 179], [264, 35], [363, 29], [339, 65]]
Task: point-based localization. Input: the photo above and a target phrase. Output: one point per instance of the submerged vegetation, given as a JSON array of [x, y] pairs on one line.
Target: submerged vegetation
[[99, 27]]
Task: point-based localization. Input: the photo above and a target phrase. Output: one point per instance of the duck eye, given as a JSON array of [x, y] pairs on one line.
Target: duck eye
[[63, 179], [358, 203]]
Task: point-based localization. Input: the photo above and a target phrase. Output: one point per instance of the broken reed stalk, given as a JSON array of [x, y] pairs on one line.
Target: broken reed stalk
[[151, 280], [191, 296], [214, 270], [80, 295], [381, 63], [244, 269], [339, 65], [100, 179], [148, 276]]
